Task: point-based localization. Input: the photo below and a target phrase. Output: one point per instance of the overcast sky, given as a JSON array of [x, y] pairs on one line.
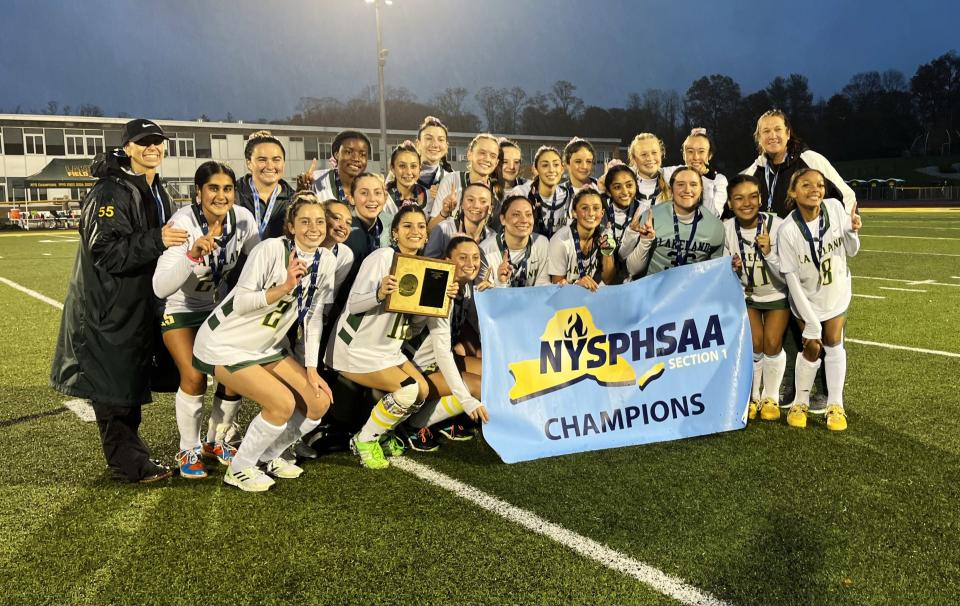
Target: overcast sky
[[184, 58]]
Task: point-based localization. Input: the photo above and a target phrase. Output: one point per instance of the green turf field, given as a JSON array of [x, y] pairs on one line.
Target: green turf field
[[768, 515]]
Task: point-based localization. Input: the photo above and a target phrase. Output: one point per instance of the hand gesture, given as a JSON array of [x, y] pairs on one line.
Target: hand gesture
[[318, 385], [296, 269], [505, 271], [450, 203], [172, 236], [856, 221], [387, 286], [480, 414], [736, 263], [645, 229], [486, 282], [453, 290], [203, 246], [763, 241], [607, 244], [305, 180]]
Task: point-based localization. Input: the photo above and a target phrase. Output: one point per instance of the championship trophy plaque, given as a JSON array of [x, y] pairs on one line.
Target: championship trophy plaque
[[421, 286]]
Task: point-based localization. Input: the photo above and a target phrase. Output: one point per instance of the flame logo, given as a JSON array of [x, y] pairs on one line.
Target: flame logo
[[575, 327]]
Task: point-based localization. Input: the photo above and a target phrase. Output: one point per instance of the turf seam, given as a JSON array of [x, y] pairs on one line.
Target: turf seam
[[33, 417]]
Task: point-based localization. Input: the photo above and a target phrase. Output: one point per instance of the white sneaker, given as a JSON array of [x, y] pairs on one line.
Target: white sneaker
[[282, 468], [250, 479]]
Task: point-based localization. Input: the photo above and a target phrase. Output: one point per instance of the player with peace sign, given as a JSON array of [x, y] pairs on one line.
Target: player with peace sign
[[516, 256]]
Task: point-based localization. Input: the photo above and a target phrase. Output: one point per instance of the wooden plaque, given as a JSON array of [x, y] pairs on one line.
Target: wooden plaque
[[422, 285]]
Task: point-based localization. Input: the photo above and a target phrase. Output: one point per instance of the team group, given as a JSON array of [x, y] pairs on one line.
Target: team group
[[279, 293]]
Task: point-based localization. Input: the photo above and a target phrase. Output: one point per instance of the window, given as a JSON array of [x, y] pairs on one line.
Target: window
[[181, 147], [3, 188], [295, 151], [218, 146], [83, 143], [33, 142], [326, 150], [1, 153], [456, 153]]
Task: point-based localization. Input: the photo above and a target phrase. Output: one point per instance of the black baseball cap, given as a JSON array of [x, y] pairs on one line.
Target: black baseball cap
[[136, 130]]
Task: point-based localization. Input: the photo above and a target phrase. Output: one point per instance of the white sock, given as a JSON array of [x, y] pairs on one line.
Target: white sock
[[436, 411], [773, 369], [188, 419], [223, 412], [296, 426], [389, 412], [260, 435], [835, 368], [757, 374], [804, 376]]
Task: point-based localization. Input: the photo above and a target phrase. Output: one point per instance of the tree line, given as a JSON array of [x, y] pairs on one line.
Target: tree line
[[876, 115]]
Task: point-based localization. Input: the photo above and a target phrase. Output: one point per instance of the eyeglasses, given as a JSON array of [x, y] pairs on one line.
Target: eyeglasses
[[150, 140]]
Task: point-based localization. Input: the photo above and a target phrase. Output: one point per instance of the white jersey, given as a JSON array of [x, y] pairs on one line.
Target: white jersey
[[430, 176], [714, 189], [190, 287], [649, 188], [760, 277], [437, 348], [327, 185], [442, 233], [828, 289], [457, 180], [528, 269], [562, 258], [244, 328], [368, 338], [551, 213]]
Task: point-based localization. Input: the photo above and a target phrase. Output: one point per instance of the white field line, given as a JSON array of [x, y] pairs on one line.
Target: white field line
[[930, 282], [657, 579], [907, 237], [32, 293], [82, 409], [868, 296], [899, 226], [901, 289], [906, 252], [935, 352]]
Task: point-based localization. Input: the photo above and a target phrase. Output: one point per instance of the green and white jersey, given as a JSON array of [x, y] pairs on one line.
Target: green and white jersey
[[760, 274], [190, 287], [563, 260], [244, 328], [367, 337], [828, 289], [529, 269], [327, 185], [676, 243]]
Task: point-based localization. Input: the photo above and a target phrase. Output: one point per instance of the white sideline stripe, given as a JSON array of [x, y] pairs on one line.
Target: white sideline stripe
[[32, 293], [930, 282], [906, 252], [868, 296], [907, 237], [82, 409], [935, 352], [646, 574], [901, 289]]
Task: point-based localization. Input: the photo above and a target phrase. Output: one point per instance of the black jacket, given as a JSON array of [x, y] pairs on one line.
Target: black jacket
[[109, 327], [245, 197], [779, 176]]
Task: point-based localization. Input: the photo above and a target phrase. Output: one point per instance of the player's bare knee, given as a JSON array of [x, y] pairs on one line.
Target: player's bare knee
[[772, 346], [280, 404]]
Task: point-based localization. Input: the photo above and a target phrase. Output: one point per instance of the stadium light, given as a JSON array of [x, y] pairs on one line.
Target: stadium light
[[381, 61]]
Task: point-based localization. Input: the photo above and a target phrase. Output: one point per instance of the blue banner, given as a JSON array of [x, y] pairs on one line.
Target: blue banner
[[566, 370]]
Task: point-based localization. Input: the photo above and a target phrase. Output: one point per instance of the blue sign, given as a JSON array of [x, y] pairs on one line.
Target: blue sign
[[663, 358]]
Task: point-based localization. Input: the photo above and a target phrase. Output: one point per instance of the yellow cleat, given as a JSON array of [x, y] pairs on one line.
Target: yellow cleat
[[769, 410], [836, 418], [752, 409], [797, 415]]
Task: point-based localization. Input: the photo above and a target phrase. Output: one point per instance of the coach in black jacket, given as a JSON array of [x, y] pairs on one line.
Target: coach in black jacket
[[108, 329]]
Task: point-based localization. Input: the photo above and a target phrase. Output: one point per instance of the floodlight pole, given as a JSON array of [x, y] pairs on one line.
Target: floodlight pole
[[381, 61]]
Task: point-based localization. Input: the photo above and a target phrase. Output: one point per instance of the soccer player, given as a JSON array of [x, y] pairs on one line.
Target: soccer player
[[697, 151], [578, 155], [483, 154], [432, 146], [263, 191], [582, 253], [751, 238], [516, 256], [367, 346], [339, 222], [622, 205], [465, 372], [192, 277], [551, 203], [471, 219], [510, 166], [814, 243], [282, 287], [351, 151], [675, 234], [646, 153]]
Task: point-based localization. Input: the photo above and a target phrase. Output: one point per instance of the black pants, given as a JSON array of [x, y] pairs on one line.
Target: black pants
[[126, 454]]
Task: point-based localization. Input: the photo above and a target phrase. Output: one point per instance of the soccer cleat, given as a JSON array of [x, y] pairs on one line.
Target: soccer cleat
[[392, 445], [836, 418], [752, 408], [456, 432], [370, 453], [423, 440], [218, 450], [250, 479], [282, 469], [797, 416], [769, 410], [191, 467], [154, 471]]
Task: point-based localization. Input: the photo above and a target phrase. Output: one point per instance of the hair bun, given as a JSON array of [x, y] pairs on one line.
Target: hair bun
[[259, 133]]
